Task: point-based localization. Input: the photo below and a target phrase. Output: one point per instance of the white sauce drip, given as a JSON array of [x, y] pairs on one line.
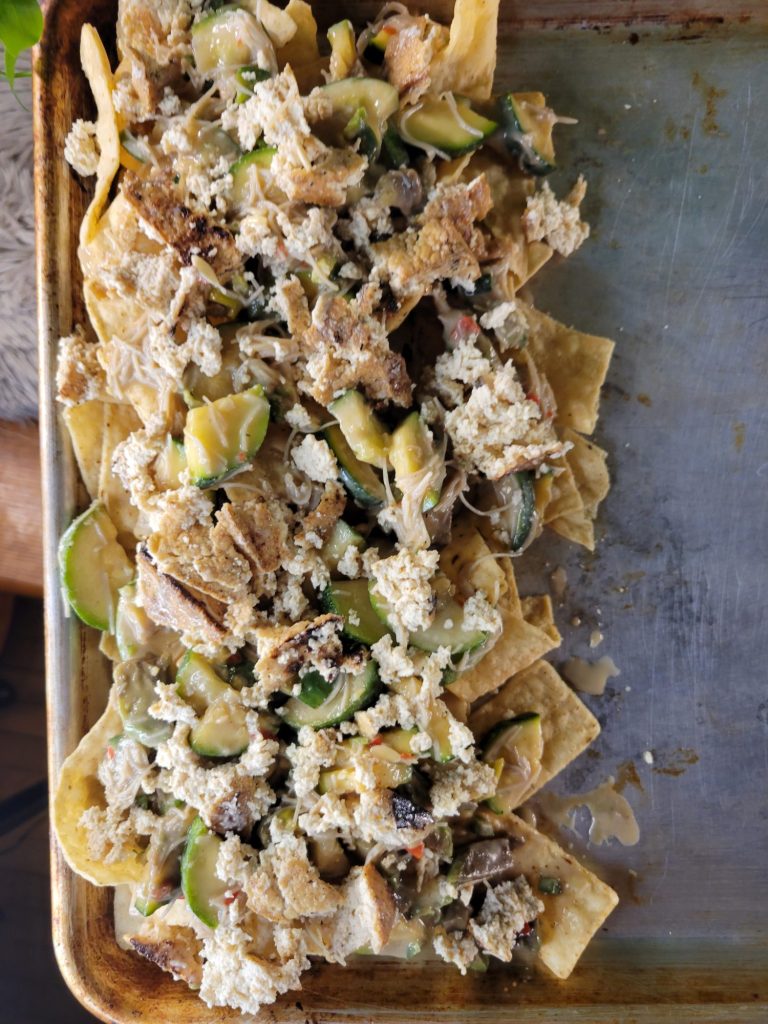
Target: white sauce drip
[[595, 638], [612, 816], [590, 677], [559, 579]]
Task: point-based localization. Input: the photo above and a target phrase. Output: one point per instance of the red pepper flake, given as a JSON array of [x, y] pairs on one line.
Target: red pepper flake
[[267, 734], [376, 741], [525, 930], [229, 900], [533, 397], [416, 851], [110, 752]]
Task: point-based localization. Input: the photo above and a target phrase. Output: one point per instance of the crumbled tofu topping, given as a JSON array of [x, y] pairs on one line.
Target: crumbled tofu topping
[[506, 910], [403, 582], [81, 150], [557, 222], [457, 784], [314, 457]]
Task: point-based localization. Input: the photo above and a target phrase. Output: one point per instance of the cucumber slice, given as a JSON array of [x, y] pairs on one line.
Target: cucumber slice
[[361, 428], [198, 683], [350, 600], [342, 537], [229, 38], [222, 437], [93, 567], [246, 78], [221, 732], [451, 128], [170, 463], [135, 689], [243, 170], [518, 744], [350, 693], [527, 129], [446, 629], [341, 36], [358, 477], [202, 889], [411, 451]]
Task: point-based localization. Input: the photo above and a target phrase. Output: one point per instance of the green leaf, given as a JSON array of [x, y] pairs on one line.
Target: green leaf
[[21, 25]]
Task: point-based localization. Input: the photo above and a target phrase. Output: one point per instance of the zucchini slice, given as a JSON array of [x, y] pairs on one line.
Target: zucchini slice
[[93, 567], [342, 537], [361, 109], [135, 689], [359, 129], [449, 126], [411, 450], [222, 437], [361, 428], [244, 171], [394, 155], [516, 747], [221, 732], [246, 78], [446, 629], [132, 624], [203, 890], [377, 44], [230, 37], [517, 492], [199, 684], [349, 598], [170, 463], [341, 36], [358, 477], [350, 693], [527, 125]]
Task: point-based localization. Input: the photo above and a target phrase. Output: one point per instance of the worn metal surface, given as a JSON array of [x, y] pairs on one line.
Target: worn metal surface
[[672, 138]]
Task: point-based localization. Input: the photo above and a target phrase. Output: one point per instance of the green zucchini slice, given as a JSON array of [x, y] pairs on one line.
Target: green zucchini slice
[[360, 480], [449, 126], [527, 129], [361, 428], [361, 109], [222, 437], [246, 78], [203, 890], [93, 567], [199, 684], [170, 463], [349, 598], [341, 36], [446, 629], [342, 536], [221, 732], [230, 37], [411, 451], [135, 690], [350, 693]]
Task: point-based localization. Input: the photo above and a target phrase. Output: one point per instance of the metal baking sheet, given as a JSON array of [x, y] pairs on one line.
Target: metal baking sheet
[[672, 139]]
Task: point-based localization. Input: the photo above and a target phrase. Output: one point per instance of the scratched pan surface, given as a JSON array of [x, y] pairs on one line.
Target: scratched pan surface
[[672, 138]]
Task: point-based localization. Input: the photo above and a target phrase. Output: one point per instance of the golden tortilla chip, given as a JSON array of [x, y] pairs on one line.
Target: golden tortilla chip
[[95, 63], [119, 422], [565, 499], [85, 423], [575, 364], [469, 564], [572, 917], [538, 612], [588, 462], [406, 306], [467, 64], [78, 789], [567, 725], [519, 645], [536, 254], [458, 707], [301, 48], [575, 528]]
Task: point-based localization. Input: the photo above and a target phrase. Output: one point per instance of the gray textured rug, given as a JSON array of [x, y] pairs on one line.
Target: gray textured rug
[[18, 328]]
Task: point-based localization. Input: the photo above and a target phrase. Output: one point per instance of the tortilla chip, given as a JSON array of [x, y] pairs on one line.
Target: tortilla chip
[[302, 47], [95, 63], [85, 423], [587, 462], [575, 364], [279, 25], [469, 564], [538, 612], [78, 789], [570, 919], [536, 254], [458, 707], [448, 172], [575, 528], [565, 499], [519, 645], [119, 422], [406, 306], [567, 725], [467, 64]]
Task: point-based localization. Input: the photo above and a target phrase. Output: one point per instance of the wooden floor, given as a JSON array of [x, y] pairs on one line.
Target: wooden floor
[[31, 989]]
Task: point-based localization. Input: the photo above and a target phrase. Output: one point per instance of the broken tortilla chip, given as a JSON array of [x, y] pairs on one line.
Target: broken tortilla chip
[[95, 63], [468, 63], [571, 917]]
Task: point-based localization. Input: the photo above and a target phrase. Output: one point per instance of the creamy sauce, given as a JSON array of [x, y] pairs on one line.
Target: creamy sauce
[[595, 638], [590, 677], [125, 921], [612, 816], [559, 580]]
